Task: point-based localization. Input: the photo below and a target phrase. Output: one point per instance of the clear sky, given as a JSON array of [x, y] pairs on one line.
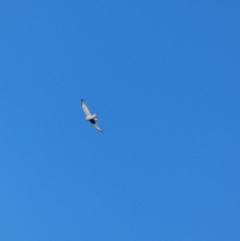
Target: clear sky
[[164, 78]]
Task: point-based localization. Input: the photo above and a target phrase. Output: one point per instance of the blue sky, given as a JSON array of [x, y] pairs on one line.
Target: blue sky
[[164, 78]]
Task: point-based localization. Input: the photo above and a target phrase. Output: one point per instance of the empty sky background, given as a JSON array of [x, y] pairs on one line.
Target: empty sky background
[[164, 78]]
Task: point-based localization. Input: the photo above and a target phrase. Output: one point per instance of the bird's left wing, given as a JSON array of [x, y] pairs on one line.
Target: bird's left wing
[[85, 108]]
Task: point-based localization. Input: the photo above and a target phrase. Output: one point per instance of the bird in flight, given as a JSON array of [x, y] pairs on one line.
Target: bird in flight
[[89, 116]]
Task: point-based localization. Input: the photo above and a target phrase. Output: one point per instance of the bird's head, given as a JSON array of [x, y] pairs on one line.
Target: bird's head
[[95, 117]]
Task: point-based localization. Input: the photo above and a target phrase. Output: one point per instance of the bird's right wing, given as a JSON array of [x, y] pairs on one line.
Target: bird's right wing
[[85, 108], [94, 123]]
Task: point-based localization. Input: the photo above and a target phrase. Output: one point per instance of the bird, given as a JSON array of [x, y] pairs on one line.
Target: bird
[[89, 117]]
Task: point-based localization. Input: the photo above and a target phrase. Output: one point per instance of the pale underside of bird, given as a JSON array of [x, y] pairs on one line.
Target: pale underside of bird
[[89, 117]]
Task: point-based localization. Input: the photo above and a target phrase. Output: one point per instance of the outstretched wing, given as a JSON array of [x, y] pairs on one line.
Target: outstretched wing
[[94, 123], [85, 108]]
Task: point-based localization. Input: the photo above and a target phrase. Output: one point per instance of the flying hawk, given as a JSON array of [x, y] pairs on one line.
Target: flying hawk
[[89, 116]]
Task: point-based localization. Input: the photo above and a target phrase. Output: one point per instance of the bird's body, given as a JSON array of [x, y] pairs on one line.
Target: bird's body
[[89, 117]]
